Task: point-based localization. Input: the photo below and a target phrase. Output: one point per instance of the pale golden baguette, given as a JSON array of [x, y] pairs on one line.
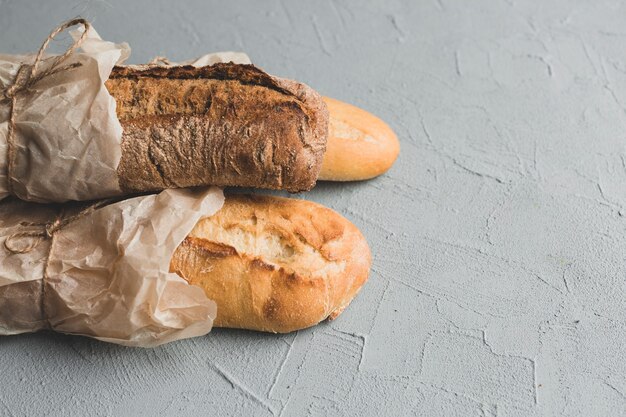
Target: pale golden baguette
[[274, 264], [360, 146]]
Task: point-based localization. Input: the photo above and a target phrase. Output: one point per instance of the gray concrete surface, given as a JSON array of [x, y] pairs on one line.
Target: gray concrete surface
[[498, 286]]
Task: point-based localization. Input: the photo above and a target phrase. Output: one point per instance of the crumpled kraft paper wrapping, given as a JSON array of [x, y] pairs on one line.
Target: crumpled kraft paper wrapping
[[67, 133], [107, 273]]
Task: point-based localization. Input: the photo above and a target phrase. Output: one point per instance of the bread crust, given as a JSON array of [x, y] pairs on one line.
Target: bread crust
[[360, 145], [274, 264], [224, 124]]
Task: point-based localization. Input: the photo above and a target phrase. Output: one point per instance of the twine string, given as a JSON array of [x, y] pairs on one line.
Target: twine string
[[44, 231], [29, 75]]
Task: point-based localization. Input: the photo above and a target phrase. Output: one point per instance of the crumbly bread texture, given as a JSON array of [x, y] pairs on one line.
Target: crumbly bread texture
[[360, 145], [224, 124], [274, 264]]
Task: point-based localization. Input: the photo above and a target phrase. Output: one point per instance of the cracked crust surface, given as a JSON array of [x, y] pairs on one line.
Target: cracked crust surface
[[224, 124], [274, 264]]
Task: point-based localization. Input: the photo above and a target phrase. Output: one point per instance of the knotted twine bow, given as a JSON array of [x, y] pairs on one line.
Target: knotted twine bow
[[27, 76]]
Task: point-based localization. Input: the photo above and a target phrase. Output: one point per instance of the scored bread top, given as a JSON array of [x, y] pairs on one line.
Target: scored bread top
[[296, 235], [141, 91], [224, 124]]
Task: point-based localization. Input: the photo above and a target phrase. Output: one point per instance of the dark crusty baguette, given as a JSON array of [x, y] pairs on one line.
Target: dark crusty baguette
[[224, 124], [274, 264]]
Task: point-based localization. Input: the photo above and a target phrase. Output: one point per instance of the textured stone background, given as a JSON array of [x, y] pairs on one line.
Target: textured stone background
[[498, 285]]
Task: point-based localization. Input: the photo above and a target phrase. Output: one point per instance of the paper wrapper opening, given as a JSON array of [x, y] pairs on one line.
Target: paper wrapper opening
[[107, 273]]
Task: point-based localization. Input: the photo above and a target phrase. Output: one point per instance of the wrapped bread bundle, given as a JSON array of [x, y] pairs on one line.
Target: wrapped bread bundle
[[103, 271], [80, 126], [222, 124], [157, 268]]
